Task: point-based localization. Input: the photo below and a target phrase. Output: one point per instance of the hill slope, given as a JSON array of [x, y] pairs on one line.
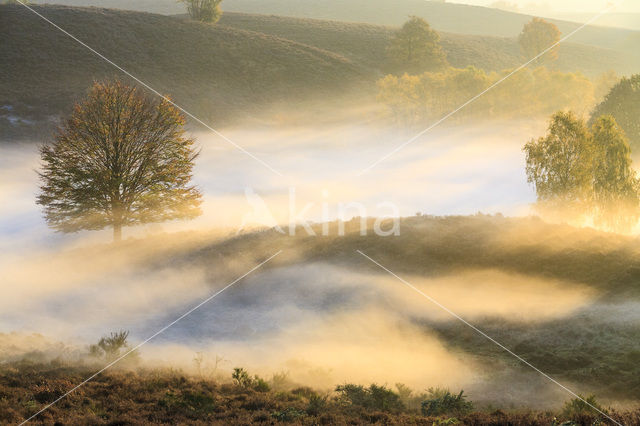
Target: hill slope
[[366, 44], [585, 345], [229, 71], [448, 17], [216, 72]]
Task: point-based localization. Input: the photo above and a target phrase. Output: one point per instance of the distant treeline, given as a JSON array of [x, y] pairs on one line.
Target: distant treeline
[[413, 99]]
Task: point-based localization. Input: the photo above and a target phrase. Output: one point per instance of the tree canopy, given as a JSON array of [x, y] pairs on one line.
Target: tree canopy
[[415, 48], [120, 159], [623, 103], [584, 173], [204, 10], [538, 35], [559, 164], [615, 185]]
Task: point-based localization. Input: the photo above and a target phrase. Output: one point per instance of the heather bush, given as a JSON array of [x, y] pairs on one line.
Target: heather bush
[[441, 401]]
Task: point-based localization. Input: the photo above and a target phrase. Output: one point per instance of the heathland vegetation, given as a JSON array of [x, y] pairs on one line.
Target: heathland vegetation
[[149, 396]]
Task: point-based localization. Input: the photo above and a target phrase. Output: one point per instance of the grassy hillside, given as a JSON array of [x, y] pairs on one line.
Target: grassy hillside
[[629, 21], [448, 17], [217, 72], [366, 44], [444, 17]]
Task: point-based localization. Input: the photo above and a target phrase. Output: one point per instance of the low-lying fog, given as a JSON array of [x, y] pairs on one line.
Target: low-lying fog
[[447, 171], [324, 324]]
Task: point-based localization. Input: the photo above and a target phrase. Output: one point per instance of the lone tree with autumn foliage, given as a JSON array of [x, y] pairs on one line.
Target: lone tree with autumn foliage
[[121, 159]]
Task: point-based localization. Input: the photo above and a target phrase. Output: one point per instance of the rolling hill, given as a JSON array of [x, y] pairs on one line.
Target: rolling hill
[[585, 346], [366, 43], [237, 69], [447, 17], [215, 71]]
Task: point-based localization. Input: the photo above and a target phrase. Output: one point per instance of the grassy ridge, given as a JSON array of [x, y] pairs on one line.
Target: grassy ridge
[[366, 44], [435, 246], [443, 16]]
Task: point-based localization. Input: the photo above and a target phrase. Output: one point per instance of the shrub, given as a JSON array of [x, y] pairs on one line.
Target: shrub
[[412, 401], [242, 378], [441, 401], [289, 414], [374, 397], [280, 381], [579, 407], [260, 385], [304, 391], [317, 404], [112, 347]]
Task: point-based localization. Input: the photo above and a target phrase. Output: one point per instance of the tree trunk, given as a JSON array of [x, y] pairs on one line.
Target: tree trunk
[[117, 232]]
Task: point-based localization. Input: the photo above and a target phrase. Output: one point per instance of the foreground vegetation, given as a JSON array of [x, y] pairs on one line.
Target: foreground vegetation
[[143, 396]]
